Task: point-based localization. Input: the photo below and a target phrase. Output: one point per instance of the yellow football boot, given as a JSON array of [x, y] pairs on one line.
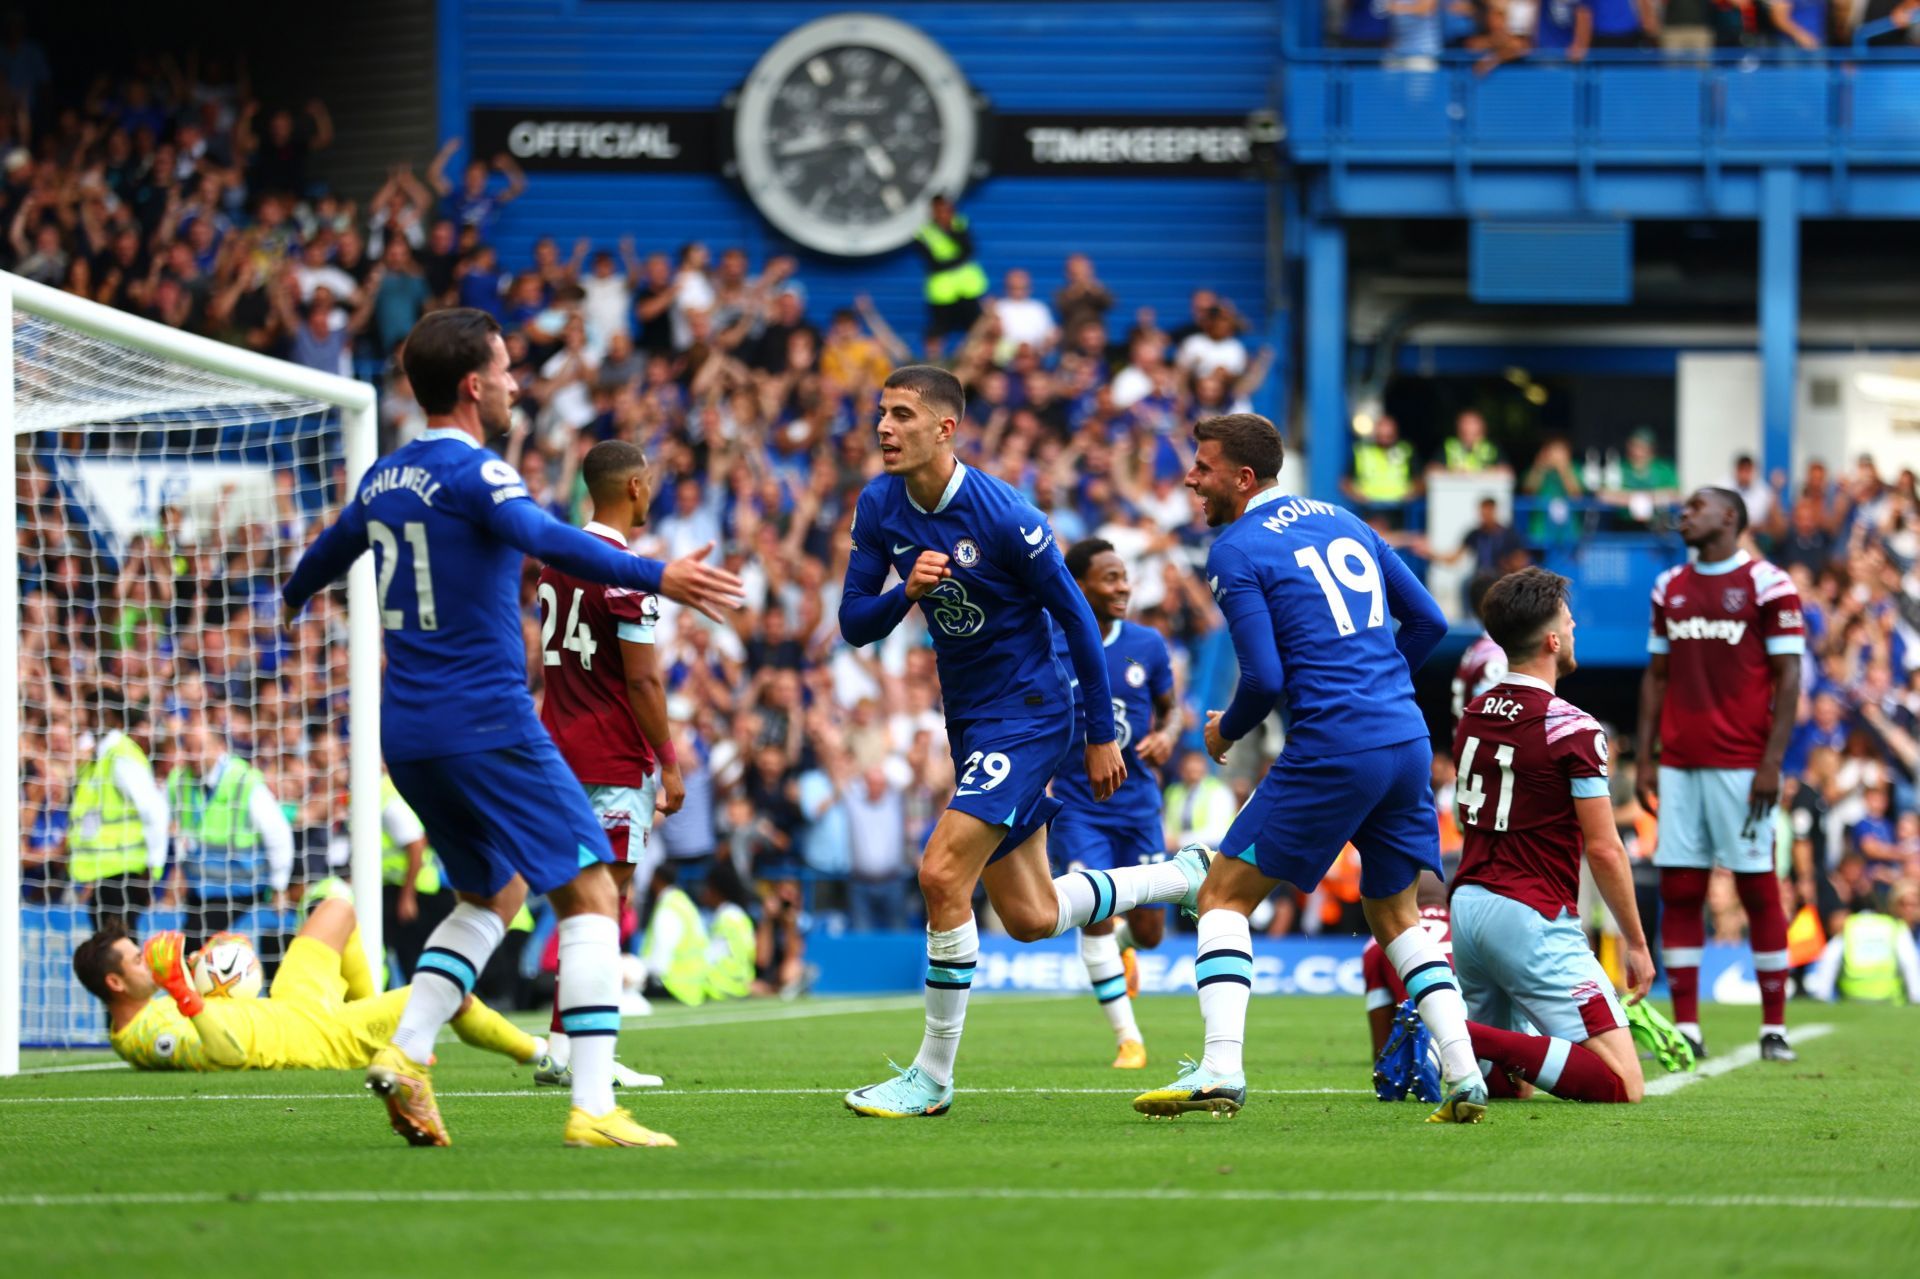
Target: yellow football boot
[[615, 1128], [407, 1089]]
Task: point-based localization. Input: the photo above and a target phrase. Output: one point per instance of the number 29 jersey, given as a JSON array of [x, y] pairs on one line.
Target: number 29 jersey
[[1524, 755], [585, 705]]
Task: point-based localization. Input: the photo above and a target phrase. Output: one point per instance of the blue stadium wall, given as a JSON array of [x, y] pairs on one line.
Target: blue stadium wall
[[1152, 240]]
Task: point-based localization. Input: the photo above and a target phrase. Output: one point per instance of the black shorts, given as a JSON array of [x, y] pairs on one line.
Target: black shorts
[[952, 317]]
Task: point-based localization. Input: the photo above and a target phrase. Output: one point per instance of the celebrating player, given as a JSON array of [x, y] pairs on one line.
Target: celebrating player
[[449, 523], [605, 705], [1124, 830], [1307, 589], [1532, 791], [324, 1014], [982, 564], [1719, 696]]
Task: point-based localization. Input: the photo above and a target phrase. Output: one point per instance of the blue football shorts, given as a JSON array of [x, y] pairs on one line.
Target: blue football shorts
[[1304, 811], [1001, 768], [494, 814], [1079, 841]]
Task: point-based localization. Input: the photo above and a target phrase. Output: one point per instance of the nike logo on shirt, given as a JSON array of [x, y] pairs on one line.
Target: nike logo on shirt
[[902, 550], [1033, 538]]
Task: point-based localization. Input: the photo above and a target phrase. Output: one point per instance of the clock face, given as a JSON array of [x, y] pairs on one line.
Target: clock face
[[847, 127]]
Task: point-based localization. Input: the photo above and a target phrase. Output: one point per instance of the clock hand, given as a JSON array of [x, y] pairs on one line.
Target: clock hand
[[877, 159], [808, 145]]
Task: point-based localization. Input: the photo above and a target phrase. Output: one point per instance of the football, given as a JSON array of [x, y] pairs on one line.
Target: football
[[227, 968]]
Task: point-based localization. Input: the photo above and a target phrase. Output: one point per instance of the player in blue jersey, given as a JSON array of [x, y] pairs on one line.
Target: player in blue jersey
[[1125, 830], [983, 566], [1308, 591], [449, 523]]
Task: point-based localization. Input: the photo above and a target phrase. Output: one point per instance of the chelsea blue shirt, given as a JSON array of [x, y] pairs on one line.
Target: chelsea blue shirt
[[1310, 594], [449, 524], [1554, 28], [990, 620], [1139, 670]]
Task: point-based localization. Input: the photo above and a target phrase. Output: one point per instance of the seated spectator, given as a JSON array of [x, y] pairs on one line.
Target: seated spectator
[[1216, 348], [1825, 728], [1082, 297], [1024, 319], [1647, 480], [1383, 466]]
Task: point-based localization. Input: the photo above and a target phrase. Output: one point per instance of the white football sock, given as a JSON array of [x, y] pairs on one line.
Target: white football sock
[[559, 1048], [1429, 979], [1101, 955], [951, 956], [456, 954], [1089, 896], [1224, 972], [590, 1005]]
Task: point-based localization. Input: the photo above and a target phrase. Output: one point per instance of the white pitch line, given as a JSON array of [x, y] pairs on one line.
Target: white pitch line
[[895, 1194], [1745, 1055], [639, 1094], [74, 1070]]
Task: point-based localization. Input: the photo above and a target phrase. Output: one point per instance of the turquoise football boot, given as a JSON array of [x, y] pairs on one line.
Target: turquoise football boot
[[1196, 1089], [910, 1094]]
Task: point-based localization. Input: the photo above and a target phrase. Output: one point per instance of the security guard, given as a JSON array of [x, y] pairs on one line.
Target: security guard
[[1468, 448], [1383, 466], [236, 847], [1872, 960], [117, 821], [955, 282], [676, 945], [732, 953]]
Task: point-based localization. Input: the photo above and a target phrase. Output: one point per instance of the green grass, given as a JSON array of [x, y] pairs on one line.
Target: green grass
[[257, 1155]]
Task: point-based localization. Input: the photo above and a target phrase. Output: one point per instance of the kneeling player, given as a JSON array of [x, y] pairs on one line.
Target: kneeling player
[[1532, 789], [1125, 830], [323, 1013]]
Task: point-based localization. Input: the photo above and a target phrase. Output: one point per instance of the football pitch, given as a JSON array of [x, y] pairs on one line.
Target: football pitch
[[1040, 1168]]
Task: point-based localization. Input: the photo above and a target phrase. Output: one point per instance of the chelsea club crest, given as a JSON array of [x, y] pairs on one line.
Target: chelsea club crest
[[966, 552]]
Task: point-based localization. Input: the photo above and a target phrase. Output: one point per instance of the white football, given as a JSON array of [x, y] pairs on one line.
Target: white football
[[227, 968]]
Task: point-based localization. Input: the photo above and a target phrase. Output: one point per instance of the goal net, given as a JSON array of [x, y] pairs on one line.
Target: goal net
[[177, 759]]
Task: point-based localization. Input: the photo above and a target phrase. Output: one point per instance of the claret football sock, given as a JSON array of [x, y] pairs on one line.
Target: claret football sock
[[1767, 934], [1559, 1066], [457, 951], [1683, 935], [951, 956]]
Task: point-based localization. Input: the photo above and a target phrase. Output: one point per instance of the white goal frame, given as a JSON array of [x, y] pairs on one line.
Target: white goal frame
[[359, 425]]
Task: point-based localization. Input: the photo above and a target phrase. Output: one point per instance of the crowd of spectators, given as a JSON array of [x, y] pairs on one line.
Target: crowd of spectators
[[1413, 33], [818, 768]]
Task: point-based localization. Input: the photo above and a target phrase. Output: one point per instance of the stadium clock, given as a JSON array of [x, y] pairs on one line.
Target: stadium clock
[[847, 127]]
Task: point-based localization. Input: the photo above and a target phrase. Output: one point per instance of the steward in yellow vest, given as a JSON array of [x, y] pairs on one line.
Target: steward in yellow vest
[[955, 282], [116, 823], [1872, 960], [236, 848]]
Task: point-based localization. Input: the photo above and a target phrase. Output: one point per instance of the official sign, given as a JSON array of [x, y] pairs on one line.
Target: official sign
[[1124, 145], [614, 140]]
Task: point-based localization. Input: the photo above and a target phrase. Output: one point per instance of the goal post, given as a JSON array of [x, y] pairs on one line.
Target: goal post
[[116, 419]]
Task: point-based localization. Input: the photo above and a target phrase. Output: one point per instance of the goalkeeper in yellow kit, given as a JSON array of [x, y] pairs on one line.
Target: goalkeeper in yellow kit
[[323, 1013]]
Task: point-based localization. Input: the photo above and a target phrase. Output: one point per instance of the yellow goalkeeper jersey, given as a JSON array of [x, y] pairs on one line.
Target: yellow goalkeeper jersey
[[305, 1025]]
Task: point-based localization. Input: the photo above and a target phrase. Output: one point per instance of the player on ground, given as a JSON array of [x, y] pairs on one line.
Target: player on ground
[[1532, 792], [1307, 590], [1385, 992], [1719, 697], [605, 704], [1125, 830], [324, 1014], [983, 566], [449, 523], [1483, 664]]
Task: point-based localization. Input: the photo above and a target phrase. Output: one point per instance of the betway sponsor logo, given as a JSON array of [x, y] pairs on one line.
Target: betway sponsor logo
[[1704, 628]]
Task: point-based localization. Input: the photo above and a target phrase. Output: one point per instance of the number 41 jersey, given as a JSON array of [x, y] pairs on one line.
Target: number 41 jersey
[[1524, 755]]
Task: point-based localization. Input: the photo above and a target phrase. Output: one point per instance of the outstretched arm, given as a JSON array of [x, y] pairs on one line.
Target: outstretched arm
[[328, 559]]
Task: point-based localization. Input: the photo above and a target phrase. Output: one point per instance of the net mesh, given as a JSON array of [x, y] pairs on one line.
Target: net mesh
[[183, 763]]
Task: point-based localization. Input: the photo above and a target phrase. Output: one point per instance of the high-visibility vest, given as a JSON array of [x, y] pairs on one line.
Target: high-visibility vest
[[393, 857], [730, 970], [955, 276], [1869, 965], [104, 835], [686, 975], [224, 857], [1383, 474], [1478, 458]]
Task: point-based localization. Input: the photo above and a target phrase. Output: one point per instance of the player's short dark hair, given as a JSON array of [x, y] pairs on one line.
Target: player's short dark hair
[[1478, 587], [94, 959], [608, 464], [1520, 608], [1732, 501], [1246, 439], [1081, 554], [442, 349], [938, 389]]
